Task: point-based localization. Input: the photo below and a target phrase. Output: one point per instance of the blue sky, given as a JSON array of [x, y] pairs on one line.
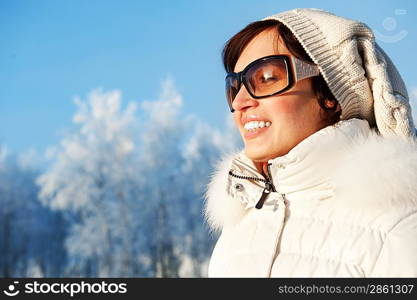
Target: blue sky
[[52, 51]]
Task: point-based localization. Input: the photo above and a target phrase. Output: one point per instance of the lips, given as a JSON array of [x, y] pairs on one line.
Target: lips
[[254, 122], [254, 125]]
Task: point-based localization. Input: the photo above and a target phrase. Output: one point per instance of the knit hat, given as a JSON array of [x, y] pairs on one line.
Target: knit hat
[[358, 72]]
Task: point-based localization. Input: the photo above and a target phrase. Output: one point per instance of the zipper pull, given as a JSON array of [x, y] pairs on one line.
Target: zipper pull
[[265, 193]]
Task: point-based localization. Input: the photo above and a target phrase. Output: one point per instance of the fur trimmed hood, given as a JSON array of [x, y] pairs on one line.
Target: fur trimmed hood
[[347, 163]]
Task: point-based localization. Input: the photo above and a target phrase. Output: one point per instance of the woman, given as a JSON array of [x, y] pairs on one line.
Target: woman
[[326, 185]]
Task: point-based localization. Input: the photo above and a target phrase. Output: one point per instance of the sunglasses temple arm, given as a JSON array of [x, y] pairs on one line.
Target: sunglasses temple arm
[[304, 69]]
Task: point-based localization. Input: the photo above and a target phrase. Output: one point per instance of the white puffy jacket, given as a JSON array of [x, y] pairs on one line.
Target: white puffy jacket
[[345, 206]]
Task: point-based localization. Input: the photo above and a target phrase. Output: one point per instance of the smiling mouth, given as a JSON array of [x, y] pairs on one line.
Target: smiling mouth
[[252, 126]]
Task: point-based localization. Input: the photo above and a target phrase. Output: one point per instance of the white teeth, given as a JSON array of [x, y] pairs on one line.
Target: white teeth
[[253, 125]]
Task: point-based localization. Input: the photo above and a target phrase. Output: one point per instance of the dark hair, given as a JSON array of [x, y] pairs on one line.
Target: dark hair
[[235, 46]]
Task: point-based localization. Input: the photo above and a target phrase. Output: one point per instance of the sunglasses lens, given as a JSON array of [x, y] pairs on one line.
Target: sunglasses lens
[[267, 77], [264, 77], [232, 88]]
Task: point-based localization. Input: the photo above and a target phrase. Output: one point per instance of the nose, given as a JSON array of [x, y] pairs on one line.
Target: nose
[[243, 100]]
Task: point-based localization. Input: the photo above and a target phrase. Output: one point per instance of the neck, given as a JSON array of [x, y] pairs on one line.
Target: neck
[[262, 167]]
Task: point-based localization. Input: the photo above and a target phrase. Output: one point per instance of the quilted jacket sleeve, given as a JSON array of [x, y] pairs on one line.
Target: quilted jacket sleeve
[[398, 257]]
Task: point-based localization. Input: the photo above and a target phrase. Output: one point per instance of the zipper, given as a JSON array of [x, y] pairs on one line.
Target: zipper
[[269, 176], [269, 186]]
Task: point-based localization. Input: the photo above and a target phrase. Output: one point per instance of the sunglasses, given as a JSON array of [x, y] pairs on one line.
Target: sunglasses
[[268, 76]]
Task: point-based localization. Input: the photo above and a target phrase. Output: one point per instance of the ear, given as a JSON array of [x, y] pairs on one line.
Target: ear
[[330, 104]]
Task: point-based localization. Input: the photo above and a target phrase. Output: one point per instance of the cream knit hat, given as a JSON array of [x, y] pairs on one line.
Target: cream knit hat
[[358, 72]]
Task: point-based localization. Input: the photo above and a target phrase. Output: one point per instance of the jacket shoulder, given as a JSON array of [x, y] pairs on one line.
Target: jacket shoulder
[[378, 176]]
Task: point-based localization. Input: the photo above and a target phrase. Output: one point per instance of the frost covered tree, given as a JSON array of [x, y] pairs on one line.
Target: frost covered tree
[[131, 186], [94, 182]]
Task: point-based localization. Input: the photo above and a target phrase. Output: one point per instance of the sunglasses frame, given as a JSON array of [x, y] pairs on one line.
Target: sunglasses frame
[[297, 70]]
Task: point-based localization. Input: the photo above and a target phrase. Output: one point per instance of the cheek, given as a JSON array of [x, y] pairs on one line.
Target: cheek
[[297, 116], [284, 106], [297, 101]]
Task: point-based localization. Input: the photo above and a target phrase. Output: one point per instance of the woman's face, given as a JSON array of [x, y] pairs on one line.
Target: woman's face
[[293, 115]]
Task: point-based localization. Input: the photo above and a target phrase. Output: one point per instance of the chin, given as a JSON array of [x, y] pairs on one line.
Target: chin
[[258, 155]]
